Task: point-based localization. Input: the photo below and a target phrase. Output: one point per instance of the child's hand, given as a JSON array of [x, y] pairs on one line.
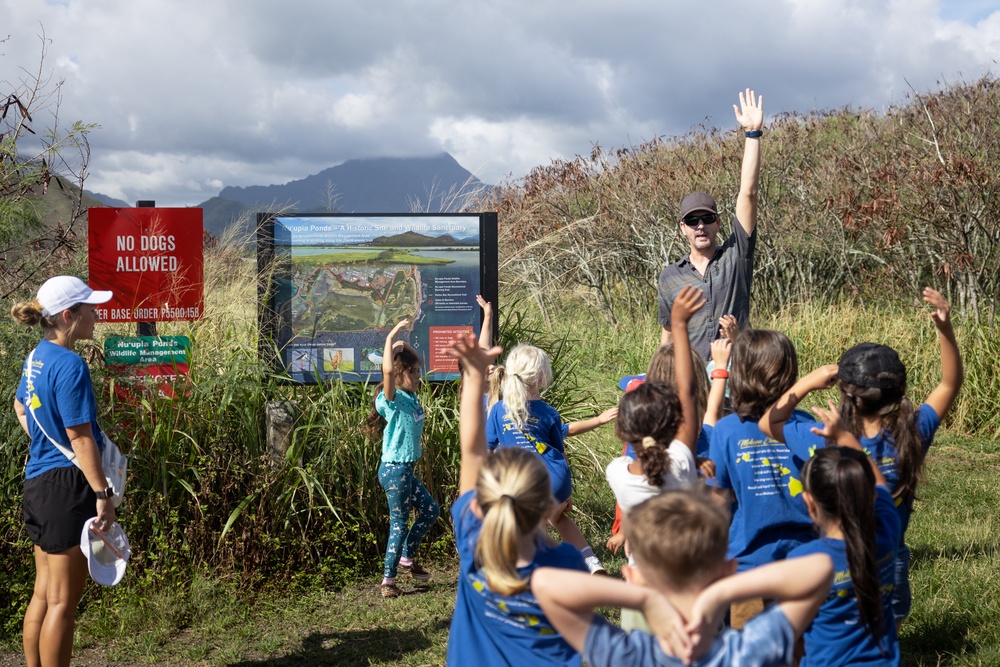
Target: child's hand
[[721, 349], [706, 466], [823, 377], [687, 303], [942, 309], [701, 627], [729, 327], [608, 415], [485, 305], [474, 358], [399, 327], [616, 542], [833, 426], [668, 626]]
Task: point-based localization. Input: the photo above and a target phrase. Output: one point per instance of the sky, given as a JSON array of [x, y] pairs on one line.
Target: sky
[[191, 96]]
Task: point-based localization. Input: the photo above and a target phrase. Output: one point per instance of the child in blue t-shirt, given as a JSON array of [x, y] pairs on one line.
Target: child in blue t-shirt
[[860, 530], [499, 521], [874, 407], [521, 419], [759, 475], [397, 416], [683, 584]]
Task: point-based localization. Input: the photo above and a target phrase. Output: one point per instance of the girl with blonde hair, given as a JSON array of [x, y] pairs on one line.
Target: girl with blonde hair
[[499, 519], [521, 419]]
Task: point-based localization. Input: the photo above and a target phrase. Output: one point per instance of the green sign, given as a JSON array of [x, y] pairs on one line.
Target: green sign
[[147, 350]]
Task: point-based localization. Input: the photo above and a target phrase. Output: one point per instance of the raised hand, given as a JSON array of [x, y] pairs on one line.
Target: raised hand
[[399, 327], [687, 303], [942, 309], [833, 426], [729, 328], [466, 348], [721, 349], [485, 305], [750, 113]]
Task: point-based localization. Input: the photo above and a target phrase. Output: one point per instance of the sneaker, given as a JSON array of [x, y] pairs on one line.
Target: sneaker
[[415, 571], [391, 591], [594, 565]]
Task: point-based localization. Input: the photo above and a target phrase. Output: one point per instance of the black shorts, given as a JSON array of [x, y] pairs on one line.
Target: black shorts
[[56, 505]]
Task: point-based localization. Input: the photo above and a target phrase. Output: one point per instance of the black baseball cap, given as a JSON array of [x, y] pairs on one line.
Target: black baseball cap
[[872, 365], [698, 201]]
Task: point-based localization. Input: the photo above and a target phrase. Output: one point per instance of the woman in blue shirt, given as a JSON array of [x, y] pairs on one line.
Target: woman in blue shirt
[[55, 401]]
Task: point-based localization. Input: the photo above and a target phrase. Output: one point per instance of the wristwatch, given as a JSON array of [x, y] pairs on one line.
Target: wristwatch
[[105, 494]]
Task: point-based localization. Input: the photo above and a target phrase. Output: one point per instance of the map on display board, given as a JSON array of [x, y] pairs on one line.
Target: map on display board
[[339, 283]]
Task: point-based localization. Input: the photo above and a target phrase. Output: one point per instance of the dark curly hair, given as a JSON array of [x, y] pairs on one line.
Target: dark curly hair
[[648, 417]]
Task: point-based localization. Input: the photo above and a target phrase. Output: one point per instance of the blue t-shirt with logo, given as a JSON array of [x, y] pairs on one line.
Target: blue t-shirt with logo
[[404, 426], [837, 636], [58, 390], [881, 448], [543, 433], [769, 515], [767, 640], [492, 629]]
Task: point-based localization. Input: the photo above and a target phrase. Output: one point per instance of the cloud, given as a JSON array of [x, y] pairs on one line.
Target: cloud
[[192, 94]]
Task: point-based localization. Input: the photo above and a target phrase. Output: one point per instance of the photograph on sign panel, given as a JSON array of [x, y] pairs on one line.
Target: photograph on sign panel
[[345, 281]]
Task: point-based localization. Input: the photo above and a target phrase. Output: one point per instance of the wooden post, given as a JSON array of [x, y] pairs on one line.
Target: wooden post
[[145, 328]]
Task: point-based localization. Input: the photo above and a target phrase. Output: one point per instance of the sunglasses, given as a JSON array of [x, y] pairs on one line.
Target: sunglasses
[[695, 220]]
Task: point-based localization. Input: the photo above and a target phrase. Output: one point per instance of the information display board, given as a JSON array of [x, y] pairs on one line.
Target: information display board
[[335, 284], [151, 259]]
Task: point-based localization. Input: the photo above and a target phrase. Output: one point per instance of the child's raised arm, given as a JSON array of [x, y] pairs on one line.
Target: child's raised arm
[[798, 584], [721, 349], [569, 598], [486, 332], [952, 373], [687, 303], [774, 419], [471, 421], [388, 375]]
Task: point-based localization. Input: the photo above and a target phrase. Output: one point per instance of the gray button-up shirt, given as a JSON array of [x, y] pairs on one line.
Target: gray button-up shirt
[[726, 285]]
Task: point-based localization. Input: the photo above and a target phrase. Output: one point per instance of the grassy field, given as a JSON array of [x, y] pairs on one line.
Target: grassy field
[[212, 621]]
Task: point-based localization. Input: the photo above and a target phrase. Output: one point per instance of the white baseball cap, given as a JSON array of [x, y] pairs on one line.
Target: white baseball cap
[[62, 292], [107, 552]]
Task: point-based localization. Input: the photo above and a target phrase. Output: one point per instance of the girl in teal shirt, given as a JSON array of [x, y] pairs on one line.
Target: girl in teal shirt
[[397, 415]]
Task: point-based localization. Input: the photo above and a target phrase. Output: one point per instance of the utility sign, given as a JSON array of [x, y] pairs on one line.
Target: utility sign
[[147, 363]]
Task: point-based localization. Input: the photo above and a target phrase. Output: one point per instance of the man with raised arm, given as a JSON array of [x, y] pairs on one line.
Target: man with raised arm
[[723, 272]]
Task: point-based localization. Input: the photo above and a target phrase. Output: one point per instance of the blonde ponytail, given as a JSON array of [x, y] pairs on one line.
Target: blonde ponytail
[[29, 314], [514, 493], [527, 368]]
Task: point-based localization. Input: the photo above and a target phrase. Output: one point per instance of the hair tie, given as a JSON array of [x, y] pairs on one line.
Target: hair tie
[[517, 377], [648, 442], [507, 496]]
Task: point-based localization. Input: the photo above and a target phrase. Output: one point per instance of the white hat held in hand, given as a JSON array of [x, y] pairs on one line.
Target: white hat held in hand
[[62, 292], [107, 552]]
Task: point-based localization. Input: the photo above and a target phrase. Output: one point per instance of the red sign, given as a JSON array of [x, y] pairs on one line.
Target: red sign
[[441, 339], [151, 258]]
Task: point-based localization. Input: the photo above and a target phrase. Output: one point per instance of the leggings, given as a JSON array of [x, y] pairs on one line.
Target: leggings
[[405, 492]]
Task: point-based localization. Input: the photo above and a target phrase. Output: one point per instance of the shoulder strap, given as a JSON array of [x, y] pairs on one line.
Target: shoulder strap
[[68, 453]]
